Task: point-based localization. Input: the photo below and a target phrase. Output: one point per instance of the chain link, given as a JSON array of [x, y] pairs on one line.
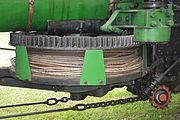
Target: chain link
[[82, 107], [77, 107], [49, 102], [54, 101]]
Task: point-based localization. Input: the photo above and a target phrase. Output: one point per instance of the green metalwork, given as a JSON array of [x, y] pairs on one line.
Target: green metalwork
[[159, 34], [157, 26], [14, 13], [108, 27], [149, 25], [93, 72], [23, 71]]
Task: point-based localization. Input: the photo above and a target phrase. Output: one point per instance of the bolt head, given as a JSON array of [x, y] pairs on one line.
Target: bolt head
[[100, 82], [85, 82]]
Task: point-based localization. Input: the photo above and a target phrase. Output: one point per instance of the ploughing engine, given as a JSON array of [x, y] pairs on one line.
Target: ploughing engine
[[89, 47]]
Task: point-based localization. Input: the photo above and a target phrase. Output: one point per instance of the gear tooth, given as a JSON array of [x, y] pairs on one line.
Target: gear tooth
[[153, 97]]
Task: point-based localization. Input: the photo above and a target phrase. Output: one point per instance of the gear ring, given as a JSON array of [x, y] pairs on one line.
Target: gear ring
[[160, 97]]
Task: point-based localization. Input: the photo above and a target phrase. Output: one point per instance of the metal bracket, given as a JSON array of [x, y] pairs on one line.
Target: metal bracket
[[93, 72], [23, 70], [108, 27]]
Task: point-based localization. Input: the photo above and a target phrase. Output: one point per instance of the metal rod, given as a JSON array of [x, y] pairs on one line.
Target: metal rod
[[168, 70], [8, 49]]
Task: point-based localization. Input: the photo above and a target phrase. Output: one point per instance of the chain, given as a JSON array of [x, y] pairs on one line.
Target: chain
[[82, 107], [77, 107], [49, 102]]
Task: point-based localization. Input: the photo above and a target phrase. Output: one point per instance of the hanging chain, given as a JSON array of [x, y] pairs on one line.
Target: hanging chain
[[77, 107], [49, 102]]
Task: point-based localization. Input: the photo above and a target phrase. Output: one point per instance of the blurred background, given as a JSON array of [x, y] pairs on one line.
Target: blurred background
[[5, 56]]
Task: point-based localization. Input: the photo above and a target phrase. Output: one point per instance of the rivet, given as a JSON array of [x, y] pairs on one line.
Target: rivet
[[100, 82], [85, 82]]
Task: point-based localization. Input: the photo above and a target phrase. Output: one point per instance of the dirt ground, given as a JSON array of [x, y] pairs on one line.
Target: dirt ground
[[5, 56]]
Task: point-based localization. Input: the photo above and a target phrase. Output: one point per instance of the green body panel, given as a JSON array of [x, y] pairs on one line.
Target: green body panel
[[93, 72], [23, 71], [149, 25], [14, 13], [156, 26], [158, 34]]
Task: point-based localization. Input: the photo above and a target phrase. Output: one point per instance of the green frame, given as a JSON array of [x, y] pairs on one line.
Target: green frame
[[93, 72], [23, 70]]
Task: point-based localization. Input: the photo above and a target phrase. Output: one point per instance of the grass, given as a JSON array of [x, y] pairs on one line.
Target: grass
[[132, 111]]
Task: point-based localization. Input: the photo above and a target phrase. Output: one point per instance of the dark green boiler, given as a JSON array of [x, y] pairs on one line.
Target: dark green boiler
[[16, 14]]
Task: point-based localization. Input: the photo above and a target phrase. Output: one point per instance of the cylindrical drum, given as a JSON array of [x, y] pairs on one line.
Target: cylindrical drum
[[34, 14]]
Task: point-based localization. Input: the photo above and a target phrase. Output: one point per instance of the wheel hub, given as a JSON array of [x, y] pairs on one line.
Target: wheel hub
[[160, 97]]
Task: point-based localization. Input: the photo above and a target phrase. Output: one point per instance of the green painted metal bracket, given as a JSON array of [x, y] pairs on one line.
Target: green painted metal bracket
[[23, 70], [108, 27], [93, 72]]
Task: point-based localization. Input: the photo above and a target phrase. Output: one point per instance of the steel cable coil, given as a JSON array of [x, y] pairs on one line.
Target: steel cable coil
[[59, 64]]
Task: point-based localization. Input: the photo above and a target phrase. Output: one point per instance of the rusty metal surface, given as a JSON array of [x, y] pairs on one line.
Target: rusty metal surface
[[30, 14], [43, 41]]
